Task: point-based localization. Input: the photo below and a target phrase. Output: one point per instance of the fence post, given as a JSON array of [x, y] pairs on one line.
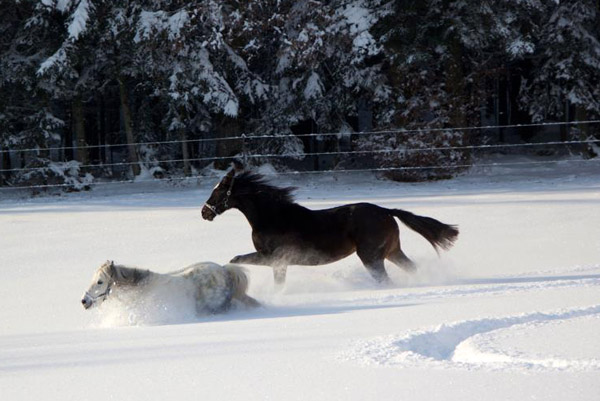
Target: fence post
[[1, 167], [244, 150]]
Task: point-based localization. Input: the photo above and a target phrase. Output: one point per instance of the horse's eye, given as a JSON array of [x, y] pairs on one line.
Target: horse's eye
[[100, 282]]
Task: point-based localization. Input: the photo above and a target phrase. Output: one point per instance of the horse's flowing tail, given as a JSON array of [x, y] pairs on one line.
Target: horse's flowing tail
[[240, 285], [440, 235]]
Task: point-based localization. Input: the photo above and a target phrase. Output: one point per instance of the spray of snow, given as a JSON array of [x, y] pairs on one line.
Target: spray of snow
[[168, 303]]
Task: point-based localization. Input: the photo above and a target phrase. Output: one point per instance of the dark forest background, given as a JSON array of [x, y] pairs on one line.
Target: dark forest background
[[88, 87]]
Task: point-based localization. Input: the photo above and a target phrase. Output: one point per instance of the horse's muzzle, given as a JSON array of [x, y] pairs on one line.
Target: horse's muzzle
[[208, 213], [86, 302]]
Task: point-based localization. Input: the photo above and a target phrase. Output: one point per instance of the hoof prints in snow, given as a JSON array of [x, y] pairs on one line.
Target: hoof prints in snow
[[464, 344]]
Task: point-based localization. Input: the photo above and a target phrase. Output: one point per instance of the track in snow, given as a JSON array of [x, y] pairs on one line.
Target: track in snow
[[535, 341], [490, 343]]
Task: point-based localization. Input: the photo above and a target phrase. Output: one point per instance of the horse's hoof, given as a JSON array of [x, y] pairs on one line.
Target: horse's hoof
[[278, 287]]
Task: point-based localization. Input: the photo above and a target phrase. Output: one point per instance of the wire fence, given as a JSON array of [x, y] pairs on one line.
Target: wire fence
[[348, 153], [595, 162], [248, 137], [333, 153]]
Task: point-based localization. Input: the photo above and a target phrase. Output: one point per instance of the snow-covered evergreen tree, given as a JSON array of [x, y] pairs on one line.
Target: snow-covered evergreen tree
[[29, 120], [567, 70], [111, 74], [318, 59]]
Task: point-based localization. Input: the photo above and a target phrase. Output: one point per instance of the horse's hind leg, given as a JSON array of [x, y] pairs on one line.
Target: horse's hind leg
[[249, 301], [398, 258], [374, 266], [377, 271], [371, 250]]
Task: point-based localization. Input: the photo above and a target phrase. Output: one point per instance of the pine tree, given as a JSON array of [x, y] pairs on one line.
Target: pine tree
[[28, 117], [568, 66], [91, 72]]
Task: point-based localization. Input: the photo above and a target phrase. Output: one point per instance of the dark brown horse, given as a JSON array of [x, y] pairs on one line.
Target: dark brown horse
[[286, 233]]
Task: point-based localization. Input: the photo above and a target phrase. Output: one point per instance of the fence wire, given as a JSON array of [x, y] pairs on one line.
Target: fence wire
[[360, 152], [336, 153], [247, 137], [319, 172]]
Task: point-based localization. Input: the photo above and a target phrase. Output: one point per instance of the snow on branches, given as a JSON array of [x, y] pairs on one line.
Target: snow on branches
[[123, 72]]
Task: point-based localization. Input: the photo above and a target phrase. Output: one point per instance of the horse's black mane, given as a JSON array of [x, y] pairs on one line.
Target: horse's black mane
[[253, 183]]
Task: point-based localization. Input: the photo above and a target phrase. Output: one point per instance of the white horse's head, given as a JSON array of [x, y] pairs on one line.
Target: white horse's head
[[101, 285]]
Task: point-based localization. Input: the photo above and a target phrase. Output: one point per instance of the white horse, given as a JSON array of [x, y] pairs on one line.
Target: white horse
[[212, 286]]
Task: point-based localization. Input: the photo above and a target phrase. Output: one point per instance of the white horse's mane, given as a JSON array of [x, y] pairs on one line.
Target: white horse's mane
[[122, 274]]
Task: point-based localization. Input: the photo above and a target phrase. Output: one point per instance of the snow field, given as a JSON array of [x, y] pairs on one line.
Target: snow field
[[511, 313]]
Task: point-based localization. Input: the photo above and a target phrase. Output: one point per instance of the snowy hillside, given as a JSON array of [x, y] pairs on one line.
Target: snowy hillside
[[512, 312]]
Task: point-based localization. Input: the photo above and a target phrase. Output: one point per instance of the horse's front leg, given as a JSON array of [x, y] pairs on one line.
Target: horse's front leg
[[279, 272], [257, 258], [254, 258]]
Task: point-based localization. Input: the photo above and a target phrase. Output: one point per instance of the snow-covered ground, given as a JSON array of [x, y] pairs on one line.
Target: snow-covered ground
[[512, 312]]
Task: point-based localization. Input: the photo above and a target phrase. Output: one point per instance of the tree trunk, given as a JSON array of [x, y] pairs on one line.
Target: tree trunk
[[81, 151], [102, 154], [226, 127], [564, 129], [185, 151], [586, 149], [42, 143], [4, 164], [132, 156], [455, 84]]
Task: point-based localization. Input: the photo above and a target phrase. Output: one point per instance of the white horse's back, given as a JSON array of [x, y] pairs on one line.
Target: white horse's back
[[200, 265], [217, 285]]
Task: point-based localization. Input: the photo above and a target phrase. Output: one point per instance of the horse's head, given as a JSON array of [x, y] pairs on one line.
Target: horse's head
[[220, 199], [101, 285]]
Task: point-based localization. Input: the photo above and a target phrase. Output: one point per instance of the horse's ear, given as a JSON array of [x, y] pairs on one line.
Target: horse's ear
[[230, 174], [237, 166], [111, 268]]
